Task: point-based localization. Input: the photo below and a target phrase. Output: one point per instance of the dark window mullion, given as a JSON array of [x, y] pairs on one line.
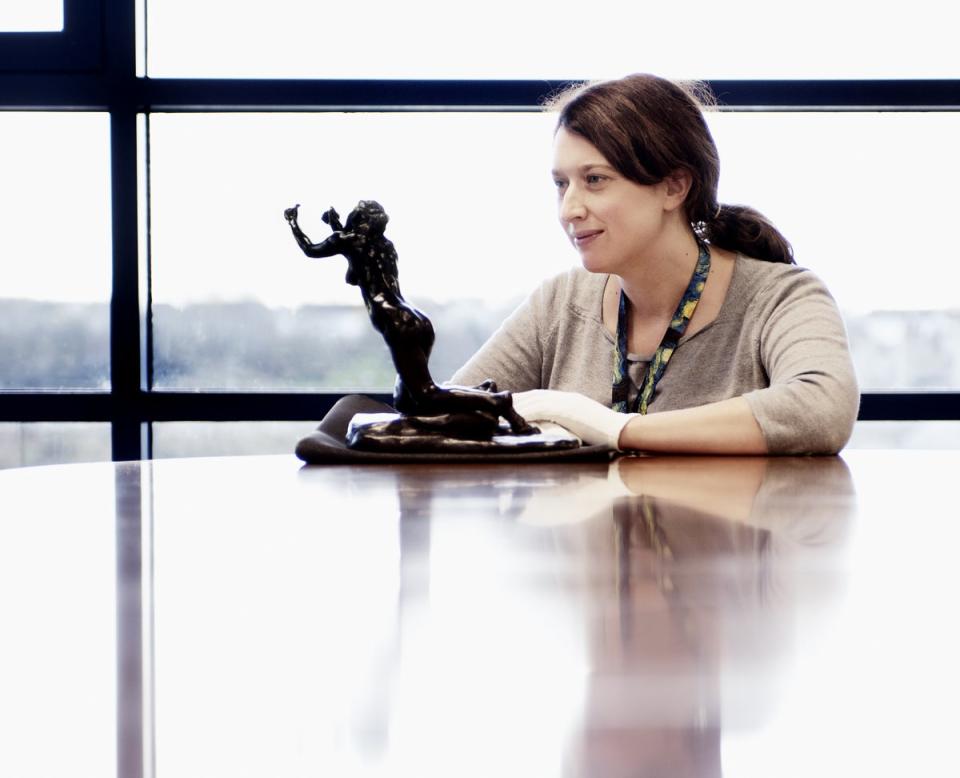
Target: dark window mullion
[[126, 379], [147, 339], [92, 92], [125, 341], [301, 406], [525, 95]]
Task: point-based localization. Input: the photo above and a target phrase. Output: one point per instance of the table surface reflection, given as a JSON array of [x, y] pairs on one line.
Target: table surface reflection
[[655, 616]]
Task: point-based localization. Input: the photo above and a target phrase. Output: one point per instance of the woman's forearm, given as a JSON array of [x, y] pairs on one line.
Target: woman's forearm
[[725, 427]]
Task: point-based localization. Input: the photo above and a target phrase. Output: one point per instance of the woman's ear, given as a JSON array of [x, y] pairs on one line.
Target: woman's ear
[[678, 185]]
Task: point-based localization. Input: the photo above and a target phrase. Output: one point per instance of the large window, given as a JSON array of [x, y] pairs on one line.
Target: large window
[[237, 305], [151, 279]]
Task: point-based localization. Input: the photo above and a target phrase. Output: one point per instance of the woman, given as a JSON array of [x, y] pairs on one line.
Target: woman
[[686, 308]]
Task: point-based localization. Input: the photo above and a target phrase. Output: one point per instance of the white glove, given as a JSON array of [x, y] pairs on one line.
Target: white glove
[[593, 423]]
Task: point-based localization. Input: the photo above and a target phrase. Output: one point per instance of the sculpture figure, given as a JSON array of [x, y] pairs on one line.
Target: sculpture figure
[[467, 412]]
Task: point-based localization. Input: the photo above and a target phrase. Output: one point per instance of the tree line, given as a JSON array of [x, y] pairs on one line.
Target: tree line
[[249, 346]]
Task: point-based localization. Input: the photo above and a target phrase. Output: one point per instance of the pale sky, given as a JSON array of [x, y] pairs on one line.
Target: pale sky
[[863, 197], [557, 39]]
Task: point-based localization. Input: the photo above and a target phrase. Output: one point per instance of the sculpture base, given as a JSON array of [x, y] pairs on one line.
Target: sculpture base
[[455, 434]]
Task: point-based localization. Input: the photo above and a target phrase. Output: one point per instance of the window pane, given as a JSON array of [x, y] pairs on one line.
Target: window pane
[[54, 251], [865, 199], [504, 39], [905, 434], [227, 438], [31, 15], [238, 305], [49, 443], [862, 197]]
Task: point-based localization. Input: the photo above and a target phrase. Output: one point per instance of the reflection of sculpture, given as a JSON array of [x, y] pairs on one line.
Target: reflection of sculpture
[[460, 412]]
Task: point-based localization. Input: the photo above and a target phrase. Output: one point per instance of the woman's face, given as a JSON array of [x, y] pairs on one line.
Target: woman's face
[[612, 221]]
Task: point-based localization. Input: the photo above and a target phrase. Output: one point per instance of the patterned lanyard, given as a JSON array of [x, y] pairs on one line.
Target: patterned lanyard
[[678, 324]]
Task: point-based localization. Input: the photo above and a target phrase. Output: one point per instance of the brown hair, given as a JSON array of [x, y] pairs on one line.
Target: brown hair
[[647, 128]]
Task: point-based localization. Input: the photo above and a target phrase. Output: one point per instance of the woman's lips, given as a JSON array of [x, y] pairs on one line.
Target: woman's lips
[[584, 238]]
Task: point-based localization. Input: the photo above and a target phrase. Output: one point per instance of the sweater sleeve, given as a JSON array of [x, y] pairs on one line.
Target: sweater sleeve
[[513, 355], [811, 403]]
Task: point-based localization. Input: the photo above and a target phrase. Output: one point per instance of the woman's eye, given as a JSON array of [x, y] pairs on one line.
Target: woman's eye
[[594, 179], [559, 184]]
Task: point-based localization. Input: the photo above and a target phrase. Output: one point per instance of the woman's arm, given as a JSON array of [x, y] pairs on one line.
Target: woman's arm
[[811, 403], [725, 427]]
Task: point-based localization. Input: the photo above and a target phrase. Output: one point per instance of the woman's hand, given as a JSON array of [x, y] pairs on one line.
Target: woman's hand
[[590, 421], [724, 427]]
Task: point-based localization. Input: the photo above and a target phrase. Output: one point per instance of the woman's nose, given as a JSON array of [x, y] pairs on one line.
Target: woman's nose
[[571, 206]]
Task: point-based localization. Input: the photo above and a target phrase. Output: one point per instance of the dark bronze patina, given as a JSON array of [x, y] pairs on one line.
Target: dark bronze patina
[[453, 414]]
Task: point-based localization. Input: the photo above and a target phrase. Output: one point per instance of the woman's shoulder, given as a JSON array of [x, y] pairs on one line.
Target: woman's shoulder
[[574, 287], [766, 292], [756, 278], [762, 271]]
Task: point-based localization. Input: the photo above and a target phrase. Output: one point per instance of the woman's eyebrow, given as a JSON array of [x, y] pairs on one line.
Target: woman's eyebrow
[[585, 168]]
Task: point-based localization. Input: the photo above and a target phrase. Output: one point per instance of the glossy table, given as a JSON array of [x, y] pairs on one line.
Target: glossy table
[[652, 617]]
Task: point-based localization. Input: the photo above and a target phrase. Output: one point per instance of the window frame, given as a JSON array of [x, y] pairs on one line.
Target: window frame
[[77, 47], [91, 66]]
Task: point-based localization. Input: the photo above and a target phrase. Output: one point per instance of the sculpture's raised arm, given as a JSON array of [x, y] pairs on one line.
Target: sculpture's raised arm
[[331, 217], [329, 247]]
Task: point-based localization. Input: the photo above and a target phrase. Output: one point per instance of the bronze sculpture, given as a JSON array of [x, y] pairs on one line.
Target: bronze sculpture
[[450, 413]]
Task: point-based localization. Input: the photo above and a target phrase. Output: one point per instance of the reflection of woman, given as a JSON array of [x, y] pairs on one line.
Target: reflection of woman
[[713, 506], [711, 557], [408, 332], [687, 308]]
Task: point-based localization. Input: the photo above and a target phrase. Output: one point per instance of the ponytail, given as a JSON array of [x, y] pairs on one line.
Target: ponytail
[[746, 231]]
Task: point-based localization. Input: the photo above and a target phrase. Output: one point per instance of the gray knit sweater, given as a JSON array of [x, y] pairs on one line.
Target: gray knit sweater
[[778, 341]]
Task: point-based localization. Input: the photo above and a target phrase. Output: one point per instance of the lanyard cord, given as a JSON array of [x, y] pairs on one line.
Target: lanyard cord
[[678, 325]]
